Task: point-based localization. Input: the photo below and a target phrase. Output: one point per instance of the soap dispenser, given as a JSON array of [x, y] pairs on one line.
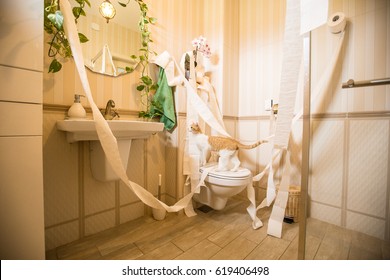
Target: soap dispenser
[[76, 111]]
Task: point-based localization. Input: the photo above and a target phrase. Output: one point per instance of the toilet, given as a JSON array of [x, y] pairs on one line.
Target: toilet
[[220, 185]]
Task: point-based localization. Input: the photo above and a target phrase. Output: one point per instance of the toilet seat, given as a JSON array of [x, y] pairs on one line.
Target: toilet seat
[[218, 187], [242, 176]]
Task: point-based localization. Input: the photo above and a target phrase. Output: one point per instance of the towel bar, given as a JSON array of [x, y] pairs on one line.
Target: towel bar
[[377, 82]]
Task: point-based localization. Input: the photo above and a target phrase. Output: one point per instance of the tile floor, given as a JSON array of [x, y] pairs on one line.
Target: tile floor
[[222, 235]]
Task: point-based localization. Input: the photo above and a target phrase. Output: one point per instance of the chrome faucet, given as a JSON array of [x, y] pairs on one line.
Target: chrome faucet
[[110, 113]]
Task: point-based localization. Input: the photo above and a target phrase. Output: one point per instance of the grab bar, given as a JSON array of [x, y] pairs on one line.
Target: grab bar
[[377, 82]]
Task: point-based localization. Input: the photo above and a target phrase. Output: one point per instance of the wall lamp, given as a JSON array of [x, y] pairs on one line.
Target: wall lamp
[[107, 10]]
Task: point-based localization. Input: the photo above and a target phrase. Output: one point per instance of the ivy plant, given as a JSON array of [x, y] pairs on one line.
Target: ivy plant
[[146, 86], [59, 46], [53, 25]]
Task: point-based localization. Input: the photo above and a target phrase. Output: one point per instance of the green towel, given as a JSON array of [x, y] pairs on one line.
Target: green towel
[[164, 98]]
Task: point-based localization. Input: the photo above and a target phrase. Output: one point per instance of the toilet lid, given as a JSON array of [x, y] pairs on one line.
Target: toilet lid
[[241, 173]]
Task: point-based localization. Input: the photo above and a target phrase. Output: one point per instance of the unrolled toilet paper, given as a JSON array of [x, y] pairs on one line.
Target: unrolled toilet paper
[[314, 13], [337, 22]]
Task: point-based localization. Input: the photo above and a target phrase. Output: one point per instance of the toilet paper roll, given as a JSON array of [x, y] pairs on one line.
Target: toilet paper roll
[[337, 22]]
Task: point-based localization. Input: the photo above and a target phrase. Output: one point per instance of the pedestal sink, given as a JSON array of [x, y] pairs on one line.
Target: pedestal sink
[[123, 130], [84, 130]]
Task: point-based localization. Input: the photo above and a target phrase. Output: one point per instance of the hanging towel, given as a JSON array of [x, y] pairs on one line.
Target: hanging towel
[[164, 97]]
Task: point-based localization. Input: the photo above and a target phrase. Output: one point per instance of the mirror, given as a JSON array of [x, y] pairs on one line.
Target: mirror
[[110, 44]]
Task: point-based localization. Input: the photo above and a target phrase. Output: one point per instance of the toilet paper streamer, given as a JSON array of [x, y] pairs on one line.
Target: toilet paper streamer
[[321, 86], [292, 57], [337, 22], [314, 13]]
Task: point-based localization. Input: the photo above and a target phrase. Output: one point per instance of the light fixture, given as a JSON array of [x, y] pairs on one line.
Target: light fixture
[[107, 10]]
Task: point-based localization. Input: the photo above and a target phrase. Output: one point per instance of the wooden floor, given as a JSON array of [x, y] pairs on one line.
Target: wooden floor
[[221, 235]]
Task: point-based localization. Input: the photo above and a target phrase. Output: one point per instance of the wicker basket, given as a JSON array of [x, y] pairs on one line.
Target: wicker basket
[[292, 207]]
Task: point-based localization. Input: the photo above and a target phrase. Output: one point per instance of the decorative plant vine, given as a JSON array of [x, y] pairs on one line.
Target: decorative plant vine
[[59, 46], [146, 86], [53, 25]]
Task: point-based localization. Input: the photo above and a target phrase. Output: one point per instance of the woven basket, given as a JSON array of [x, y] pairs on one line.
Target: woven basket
[[292, 207]]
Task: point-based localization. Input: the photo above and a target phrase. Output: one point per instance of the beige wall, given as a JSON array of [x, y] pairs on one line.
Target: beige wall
[[246, 38]]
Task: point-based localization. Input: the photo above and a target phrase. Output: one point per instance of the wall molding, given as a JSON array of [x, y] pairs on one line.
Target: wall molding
[[350, 115], [64, 108]]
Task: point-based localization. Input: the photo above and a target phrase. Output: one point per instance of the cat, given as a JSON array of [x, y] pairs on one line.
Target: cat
[[225, 147]]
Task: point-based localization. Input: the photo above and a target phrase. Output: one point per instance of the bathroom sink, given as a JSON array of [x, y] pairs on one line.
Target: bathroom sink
[[84, 130]]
